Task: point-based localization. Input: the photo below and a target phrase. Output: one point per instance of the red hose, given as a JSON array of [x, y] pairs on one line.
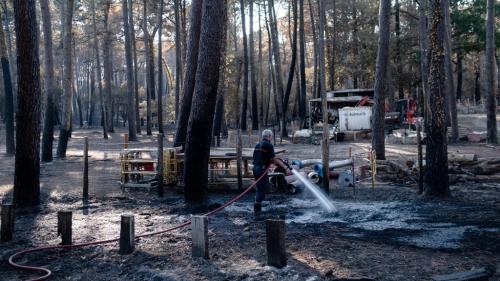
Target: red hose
[[48, 272]]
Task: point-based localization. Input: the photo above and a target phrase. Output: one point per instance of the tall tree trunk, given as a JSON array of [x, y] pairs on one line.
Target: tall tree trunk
[[148, 55], [460, 70], [9, 97], [204, 98], [355, 47], [477, 87], [108, 69], [27, 162], [302, 70], [160, 70], [134, 51], [399, 63], [253, 70], [436, 154], [288, 90], [67, 80], [132, 131], [221, 89], [378, 138], [491, 122], [277, 62], [178, 57], [261, 72], [98, 71], [423, 41], [315, 47], [450, 84], [190, 74], [325, 145], [244, 100]]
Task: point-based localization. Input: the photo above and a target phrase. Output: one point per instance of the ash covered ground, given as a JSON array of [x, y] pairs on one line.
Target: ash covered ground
[[389, 233]]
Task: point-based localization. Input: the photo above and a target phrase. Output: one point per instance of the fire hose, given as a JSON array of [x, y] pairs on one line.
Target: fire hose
[[48, 273]]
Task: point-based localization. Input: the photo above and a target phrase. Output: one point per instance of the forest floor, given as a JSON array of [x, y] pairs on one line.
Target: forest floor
[[389, 233]]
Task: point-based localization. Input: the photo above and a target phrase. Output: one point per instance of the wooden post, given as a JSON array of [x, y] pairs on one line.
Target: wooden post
[[276, 250], [86, 169], [64, 227], [127, 235], [7, 227], [160, 165], [199, 233], [125, 141]]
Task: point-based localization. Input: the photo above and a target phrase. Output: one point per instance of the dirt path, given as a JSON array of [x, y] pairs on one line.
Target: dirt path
[[386, 234]]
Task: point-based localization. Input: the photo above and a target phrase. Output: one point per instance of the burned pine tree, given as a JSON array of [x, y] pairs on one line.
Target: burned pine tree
[[98, 71], [189, 79], [132, 131], [378, 138], [436, 154], [244, 101], [291, 72], [27, 166], [50, 110], [65, 131], [9, 95], [204, 99], [491, 105]]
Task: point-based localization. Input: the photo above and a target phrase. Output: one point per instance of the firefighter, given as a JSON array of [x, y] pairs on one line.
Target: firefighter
[[263, 156]]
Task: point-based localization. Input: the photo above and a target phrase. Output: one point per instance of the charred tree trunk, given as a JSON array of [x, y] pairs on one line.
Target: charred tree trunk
[[108, 69], [244, 101], [450, 84], [491, 106], [178, 58], [64, 133], [132, 131], [399, 63], [277, 62], [436, 155], [190, 74], [253, 81], [325, 145], [148, 55], [134, 51], [27, 163], [303, 91], [288, 90], [315, 47], [204, 98], [9, 97], [423, 40], [460, 70], [378, 139], [160, 70], [98, 70]]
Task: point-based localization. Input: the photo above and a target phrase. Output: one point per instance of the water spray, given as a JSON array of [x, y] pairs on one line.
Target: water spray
[[316, 191]]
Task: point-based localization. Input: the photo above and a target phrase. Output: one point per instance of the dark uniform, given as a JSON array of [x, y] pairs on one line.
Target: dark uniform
[[262, 158]]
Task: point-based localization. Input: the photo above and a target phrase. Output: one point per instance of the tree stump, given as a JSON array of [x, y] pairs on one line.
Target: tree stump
[[199, 232], [7, 227], [276, 250], [64, 227], [127, 235]]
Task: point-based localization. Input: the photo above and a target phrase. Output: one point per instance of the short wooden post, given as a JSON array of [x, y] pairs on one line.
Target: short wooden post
[[276, 250], [127, 235], [199, 232], [160, 165], [86, 169], [7, 227], [64, 227], [125, 141]]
